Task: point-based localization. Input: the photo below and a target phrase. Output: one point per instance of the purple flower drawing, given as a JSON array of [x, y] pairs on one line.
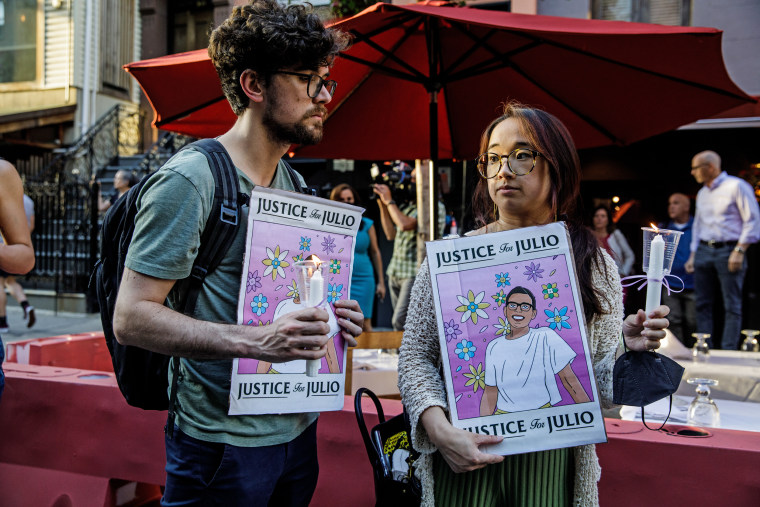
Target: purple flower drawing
[[328, 244], [533, 272], [451, 330], [254, 281]]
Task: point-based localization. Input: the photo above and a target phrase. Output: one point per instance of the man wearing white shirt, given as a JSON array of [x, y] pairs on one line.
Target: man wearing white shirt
[[726, 222]]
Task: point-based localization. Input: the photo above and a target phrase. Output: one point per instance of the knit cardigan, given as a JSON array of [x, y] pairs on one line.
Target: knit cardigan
[[422, 387]]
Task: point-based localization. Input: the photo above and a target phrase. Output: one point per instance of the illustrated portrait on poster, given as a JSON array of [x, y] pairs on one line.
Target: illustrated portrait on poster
[[513, 340], [284, 230]]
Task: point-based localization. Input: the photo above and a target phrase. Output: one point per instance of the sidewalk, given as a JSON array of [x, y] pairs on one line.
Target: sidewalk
[[48, 324]]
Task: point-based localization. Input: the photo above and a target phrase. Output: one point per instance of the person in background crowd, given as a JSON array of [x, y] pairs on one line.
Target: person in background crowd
[[16, 252], [726, 222], [682, 315], [122, 182], [12, 284], [364, 286], [400, 225], [612, 240], [273, 62], [530, 175]]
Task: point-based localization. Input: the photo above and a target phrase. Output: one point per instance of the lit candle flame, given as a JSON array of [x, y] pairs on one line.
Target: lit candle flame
[[654, 227]]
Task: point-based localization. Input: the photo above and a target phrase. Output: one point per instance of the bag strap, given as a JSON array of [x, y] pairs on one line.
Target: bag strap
[[372, 451], [293, 175], [216, 239], [670, 401]]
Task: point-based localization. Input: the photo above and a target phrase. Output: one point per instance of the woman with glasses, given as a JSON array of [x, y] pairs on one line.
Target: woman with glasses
[[530, 176]]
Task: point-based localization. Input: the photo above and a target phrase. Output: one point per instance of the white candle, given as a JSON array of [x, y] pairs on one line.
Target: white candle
[[655, 272], [316, 293]]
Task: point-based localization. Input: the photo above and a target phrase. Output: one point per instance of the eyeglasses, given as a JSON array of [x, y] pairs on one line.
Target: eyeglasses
[[520, 161], [315, 83], [523, 306]]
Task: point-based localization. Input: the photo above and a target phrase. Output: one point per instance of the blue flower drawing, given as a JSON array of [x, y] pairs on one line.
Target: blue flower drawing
[[557, 318], [304, 244], [502, 279], [259, 304], [334, 292], [328, 244], [465, 349], [533, 271], [451, 330]]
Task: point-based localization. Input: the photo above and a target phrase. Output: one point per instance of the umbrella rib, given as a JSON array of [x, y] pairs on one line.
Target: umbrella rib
[[584, 117], [479, 42], [390, 72], [372, 70], [537, 41], [188, 112], [362, 38], [641, 69]]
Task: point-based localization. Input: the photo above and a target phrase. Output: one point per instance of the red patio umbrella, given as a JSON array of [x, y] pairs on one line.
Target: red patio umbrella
[[424, 80]]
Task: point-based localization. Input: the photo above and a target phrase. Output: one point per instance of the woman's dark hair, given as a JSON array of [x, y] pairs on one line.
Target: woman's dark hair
[[610, 225], [266, 36], [549, 136], [522, 290], [335, 193]]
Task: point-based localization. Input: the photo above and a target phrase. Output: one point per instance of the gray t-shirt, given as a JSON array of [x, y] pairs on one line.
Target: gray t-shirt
[[172, 210]]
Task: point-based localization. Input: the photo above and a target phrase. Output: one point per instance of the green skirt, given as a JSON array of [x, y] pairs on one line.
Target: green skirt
[[540, 479]]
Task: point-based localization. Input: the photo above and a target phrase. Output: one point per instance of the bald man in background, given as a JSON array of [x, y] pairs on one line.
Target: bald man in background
[[682, 315], [726, 222]]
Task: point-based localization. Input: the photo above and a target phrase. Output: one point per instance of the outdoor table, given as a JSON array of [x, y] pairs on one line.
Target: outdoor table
[[737, 373], [734, 415], [375, 370]]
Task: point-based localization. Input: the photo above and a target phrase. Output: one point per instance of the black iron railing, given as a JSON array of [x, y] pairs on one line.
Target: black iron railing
[[65, 237]]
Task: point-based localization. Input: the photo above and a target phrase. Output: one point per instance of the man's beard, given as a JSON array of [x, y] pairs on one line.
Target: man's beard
[[296, 133]]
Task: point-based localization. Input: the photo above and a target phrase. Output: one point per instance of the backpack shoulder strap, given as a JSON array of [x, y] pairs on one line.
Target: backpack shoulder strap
[[293, 175], [223, 220]]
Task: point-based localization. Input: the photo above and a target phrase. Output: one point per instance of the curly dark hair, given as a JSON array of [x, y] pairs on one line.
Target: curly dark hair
[[548, 135], [265, 36]]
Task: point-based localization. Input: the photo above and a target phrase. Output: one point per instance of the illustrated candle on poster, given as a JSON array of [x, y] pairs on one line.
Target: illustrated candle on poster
[[299, 254], [512, 332], [659, 251]]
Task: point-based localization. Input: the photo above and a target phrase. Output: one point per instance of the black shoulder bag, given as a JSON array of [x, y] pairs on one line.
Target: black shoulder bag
[[390, 451]]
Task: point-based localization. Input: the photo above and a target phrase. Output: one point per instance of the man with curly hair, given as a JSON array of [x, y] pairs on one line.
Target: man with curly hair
[[273, 63]]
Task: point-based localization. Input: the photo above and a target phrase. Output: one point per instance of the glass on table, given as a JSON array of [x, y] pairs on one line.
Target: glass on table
[[703, 411], [701, 350], [750, 343]]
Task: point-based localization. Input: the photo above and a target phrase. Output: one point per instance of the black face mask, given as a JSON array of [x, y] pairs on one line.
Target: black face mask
[[641, 378]]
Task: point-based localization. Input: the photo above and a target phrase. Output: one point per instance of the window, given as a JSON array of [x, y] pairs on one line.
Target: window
[[662, 12], [117, 41], [18, 41], [191, 21]]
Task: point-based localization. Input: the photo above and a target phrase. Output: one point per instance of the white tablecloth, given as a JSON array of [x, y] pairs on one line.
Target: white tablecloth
[[734, 415], [375, 370], [737, 373]]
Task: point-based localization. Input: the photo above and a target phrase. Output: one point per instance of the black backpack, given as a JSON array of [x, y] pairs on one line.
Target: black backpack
[[142, 375]]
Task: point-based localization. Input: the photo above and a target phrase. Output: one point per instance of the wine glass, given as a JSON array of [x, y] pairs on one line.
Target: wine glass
[[750, 343], [703, 411], [701, 350]]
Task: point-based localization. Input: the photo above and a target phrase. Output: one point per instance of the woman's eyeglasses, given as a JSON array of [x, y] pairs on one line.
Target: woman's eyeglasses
[[520, 162]]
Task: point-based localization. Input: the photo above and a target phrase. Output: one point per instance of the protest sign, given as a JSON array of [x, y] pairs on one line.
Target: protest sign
[[285, 228], [513, 340]]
